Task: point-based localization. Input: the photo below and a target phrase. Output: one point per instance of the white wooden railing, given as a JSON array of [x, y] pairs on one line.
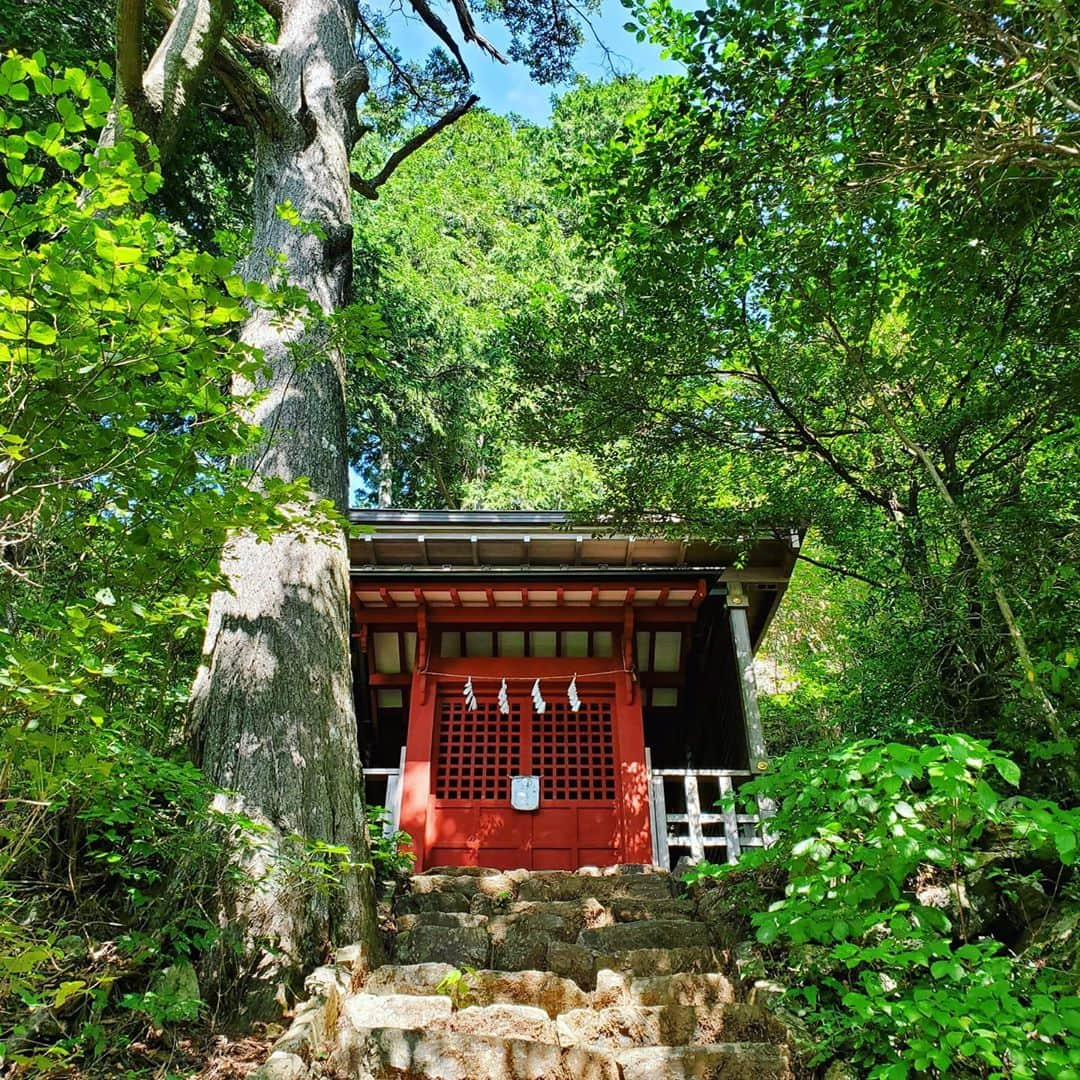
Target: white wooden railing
[[392, 800], [695, 831]]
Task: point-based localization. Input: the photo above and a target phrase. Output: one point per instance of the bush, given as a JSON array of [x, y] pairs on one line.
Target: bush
[[117, 344], [894, 956]]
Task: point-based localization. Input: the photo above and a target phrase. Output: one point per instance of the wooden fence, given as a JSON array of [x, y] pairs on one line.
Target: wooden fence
[[720, 834]]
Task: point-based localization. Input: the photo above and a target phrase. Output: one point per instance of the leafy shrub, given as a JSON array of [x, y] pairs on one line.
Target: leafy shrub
[[385, 847], [877, 932], [117, 430]]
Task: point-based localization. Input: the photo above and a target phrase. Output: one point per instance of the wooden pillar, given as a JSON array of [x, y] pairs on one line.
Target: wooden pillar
[[416, 778], [636, 838], [416, 773], [737, 604]]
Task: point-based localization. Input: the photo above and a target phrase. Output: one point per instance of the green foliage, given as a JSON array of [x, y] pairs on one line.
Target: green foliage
[[385, 846], [884, 848], [118, 346], [453, 255], [840, 271], [455, 986]]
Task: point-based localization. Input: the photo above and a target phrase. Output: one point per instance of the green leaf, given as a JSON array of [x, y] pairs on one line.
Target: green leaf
[[67, 990], [41, 333], [1008, 770]]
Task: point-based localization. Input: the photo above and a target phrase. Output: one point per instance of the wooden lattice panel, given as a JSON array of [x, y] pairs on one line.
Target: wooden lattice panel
[[573, 753], [477, 751]]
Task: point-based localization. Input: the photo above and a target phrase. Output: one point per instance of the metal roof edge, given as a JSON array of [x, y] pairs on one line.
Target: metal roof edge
[[459, 517], [554, 520]]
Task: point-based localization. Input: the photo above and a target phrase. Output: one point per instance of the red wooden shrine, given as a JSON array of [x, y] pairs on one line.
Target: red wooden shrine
[[440, 602]]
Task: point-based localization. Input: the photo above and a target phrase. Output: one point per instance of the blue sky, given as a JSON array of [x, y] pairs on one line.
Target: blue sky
[[509, 89]]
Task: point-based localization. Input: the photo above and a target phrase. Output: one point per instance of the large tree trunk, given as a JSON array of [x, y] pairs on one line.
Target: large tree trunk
[[272, 710]]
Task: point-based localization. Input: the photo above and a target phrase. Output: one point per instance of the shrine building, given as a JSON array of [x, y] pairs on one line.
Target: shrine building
[[530, 693]]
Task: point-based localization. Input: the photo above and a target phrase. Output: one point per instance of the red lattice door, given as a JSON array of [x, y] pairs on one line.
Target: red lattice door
[[573, 755]]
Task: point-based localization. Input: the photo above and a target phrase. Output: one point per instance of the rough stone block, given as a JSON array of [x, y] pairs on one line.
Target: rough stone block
[[723, 1061], [449, 1055], [519, 942], [453, 919], [553, 885], [583, 913], [683, 988], [585, 1063], [624, 910], [542, 989], [448, 900], [461, 946], [736, 1022], [367, 1011], [642, 962], [407, 978], [573, 962], [564, 885], [647, 934], [506, 1022], [628, 1025], [612, 988]]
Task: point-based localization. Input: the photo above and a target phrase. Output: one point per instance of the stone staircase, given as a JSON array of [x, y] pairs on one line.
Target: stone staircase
[[543, 975]]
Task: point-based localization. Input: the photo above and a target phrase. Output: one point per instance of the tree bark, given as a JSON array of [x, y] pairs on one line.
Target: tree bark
[[386, 478], [272, 709]]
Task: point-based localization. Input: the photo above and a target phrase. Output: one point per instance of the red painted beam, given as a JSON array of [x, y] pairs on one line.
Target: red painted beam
[[516, 618]]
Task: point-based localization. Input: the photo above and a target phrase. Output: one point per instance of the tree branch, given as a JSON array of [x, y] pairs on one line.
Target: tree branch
[[178, 66], [129, 47], [254, 103], [440, 30], [369, 188], [840, 570], [401, 72], [468, 28]]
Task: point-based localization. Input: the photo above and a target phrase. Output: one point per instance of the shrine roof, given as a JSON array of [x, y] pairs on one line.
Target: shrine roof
[[542, 544]]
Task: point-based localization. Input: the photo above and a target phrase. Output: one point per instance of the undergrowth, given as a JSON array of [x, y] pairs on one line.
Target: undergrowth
[[924, 921]]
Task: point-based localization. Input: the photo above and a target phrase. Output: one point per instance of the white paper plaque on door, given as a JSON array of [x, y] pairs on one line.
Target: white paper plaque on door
[[525, 792]]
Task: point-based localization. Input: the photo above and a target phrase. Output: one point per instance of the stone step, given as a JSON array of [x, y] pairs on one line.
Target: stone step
[[585, 911], [481, 893], [490, 891], [520, 938], [580, 963], [546, 975], [619, 1026], [701, 989], [645, 934], [520, 941], [590, 912], [366, 1011], [501, 1021], [460, 1055], [541, 989], [645, 884], [636, 910], [731, 1061], [426, 942], [463, 920]]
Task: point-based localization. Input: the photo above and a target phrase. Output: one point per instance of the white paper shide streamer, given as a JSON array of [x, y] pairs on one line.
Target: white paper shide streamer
[[504, 699], [538, 699], [572, 694], [470, 695]]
